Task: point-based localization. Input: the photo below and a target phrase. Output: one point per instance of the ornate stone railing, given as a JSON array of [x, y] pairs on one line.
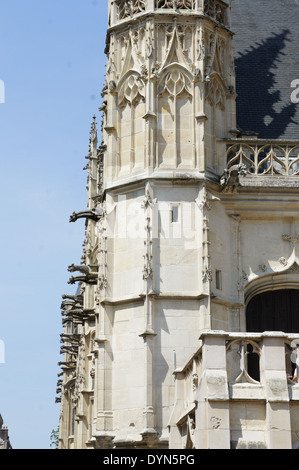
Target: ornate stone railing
[[243, 361], [215, 9], [128, 8], [263, 157], [232, 372], [246, 358], [176, 4]]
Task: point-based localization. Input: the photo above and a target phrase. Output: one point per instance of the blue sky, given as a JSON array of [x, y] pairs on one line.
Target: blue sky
[[52, 63]]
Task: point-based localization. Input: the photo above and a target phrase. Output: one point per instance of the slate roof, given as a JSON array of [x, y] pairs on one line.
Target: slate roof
[[266, 50]]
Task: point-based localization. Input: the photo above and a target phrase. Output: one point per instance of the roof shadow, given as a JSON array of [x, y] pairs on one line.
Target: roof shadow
[[260, 106]]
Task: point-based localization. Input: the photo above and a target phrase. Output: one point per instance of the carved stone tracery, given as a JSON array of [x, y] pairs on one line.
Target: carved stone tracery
[[175, 84], [215, 10], [238, 352], [176, 4], [131, 91], [215, 94], [128, 8]]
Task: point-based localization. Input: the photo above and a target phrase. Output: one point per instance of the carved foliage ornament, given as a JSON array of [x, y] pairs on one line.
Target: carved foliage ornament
[[207, 274], [290, 238], [215, 422]]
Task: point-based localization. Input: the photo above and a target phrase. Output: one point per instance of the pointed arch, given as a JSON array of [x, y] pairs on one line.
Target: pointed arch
[[175, 117], [215, 97], [175, 53], [179, 76], [131, 125], [216, 90], [131, 61], [130, 88]]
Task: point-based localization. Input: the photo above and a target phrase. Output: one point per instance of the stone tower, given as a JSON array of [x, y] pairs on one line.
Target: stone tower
[[156, 346]]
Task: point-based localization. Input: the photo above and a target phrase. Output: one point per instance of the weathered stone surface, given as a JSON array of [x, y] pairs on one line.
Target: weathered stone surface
[[155, 348]]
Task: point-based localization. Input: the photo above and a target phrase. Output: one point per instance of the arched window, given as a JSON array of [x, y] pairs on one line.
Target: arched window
[[275, 310]]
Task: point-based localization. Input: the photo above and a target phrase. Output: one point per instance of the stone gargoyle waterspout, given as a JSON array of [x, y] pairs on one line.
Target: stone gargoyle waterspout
[[88, 276], [93, 214]]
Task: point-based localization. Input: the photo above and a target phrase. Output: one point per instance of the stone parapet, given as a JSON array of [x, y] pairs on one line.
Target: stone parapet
[[245, 388], [263, 157]]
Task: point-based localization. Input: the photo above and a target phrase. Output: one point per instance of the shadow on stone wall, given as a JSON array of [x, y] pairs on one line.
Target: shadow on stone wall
[[260, 107]]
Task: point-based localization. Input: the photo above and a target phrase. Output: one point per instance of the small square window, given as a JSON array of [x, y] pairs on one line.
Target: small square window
[[174, 214]]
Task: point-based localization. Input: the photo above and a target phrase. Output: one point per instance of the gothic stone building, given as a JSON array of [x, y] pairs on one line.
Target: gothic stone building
[[4, 438], [183, 328]]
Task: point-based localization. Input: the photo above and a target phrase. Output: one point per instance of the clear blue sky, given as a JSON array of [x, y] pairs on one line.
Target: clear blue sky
[[53, 64]]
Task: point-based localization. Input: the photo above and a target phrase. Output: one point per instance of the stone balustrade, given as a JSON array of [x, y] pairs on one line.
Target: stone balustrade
[[215, 9], [239, 390], [264, 157]]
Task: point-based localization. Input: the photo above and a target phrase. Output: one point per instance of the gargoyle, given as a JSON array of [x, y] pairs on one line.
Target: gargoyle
[[73, 312], [69, 338], [75, 298], [89, 311], [67, 303], [93, 214], [88, 279], [82, 269], [72, 320], [67, 364], [230, 179], [69, 350]]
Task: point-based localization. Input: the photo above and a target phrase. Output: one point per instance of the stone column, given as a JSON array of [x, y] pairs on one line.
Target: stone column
[[150, 4], [148, 335], [274, 380], [212, 415]]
